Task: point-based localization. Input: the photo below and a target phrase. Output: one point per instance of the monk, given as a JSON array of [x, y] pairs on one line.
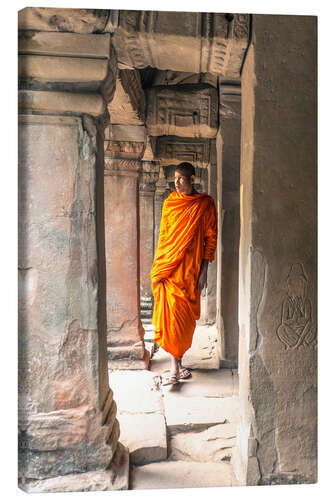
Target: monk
[[187, 243]]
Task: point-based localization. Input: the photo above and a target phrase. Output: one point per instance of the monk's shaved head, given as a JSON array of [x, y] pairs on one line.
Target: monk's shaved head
[[186, 169]]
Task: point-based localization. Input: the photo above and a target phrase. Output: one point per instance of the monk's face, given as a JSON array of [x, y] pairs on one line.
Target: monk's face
[[183, 184]]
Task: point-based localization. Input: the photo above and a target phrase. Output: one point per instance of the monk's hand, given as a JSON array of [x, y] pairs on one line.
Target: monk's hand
[[202, 279]]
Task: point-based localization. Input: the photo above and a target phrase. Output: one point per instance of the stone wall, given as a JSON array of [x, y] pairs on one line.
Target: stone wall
[[277, 299]]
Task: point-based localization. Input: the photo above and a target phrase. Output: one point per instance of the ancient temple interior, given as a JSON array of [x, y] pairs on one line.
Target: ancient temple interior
[[110, 102]]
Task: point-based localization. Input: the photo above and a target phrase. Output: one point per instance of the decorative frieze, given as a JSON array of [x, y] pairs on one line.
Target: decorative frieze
[[173, 150], [124, 141], [153, 38], [182, 111]]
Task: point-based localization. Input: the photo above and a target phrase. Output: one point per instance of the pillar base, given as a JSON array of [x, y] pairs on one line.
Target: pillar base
[[116, 477], [130, 364]]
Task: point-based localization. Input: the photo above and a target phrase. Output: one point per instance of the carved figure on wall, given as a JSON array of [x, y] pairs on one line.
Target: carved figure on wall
[[296, 326]]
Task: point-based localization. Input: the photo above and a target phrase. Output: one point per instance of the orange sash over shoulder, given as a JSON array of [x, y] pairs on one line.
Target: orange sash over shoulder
[[188, 234]]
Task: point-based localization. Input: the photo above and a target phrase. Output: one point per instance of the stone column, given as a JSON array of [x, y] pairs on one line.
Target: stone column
[[148, 178], [277, 438], [228, 142], [67, 416], [122, 247], [161, 193]]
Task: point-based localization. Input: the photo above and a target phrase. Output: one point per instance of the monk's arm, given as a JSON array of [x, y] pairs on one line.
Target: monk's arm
[[210, 239], [210, 242], [202, 279]]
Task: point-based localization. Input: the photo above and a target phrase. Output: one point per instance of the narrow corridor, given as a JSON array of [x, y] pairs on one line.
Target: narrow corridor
[[182, 435]]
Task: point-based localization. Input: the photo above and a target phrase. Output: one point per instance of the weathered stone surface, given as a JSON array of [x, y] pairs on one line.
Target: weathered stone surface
[[115, 478], [60, 102], [212, 445], [62, 382], [61, 69], [136, 391], [145, 436], [64, 44], [129, 102], [173, 150], [196, 42], [182, 111], [203, 354], [278, 358], [53, 19], [180, 474], [184, 413]]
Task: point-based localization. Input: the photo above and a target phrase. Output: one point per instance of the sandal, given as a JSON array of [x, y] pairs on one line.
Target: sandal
[[184, 373], [170, 380]]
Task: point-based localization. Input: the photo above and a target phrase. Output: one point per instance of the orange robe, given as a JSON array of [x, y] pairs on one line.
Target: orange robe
[[188, 234]]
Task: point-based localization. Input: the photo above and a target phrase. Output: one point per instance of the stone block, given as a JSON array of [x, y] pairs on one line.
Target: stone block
[[136, 391], [185, 112], [144, 434], [185, 414], [212, 445], [64, 44], [115, 478], [180, 474], [60, 102], [61, 69]]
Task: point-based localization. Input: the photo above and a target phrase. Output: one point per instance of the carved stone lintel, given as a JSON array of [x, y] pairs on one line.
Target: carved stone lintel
[[151, 38], [185, 111]]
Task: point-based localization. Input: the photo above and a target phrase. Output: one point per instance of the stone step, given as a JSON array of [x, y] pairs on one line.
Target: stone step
[[185, 414], [144, 435], [136, 391], [140, 414], [181, 474], [212, 445]]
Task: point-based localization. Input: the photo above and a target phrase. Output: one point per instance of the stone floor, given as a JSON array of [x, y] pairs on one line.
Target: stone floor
[[179, 436]]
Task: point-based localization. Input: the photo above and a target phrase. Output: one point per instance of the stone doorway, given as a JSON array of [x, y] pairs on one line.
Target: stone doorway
[[70, 313]]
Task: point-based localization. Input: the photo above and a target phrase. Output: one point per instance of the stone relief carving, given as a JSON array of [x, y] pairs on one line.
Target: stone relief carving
[[173, 150], [147, 38], [186, 113], [297, 326], [241, 25]]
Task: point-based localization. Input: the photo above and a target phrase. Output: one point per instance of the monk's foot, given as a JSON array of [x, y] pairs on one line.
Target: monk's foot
[[170, 380], [184, 373]]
